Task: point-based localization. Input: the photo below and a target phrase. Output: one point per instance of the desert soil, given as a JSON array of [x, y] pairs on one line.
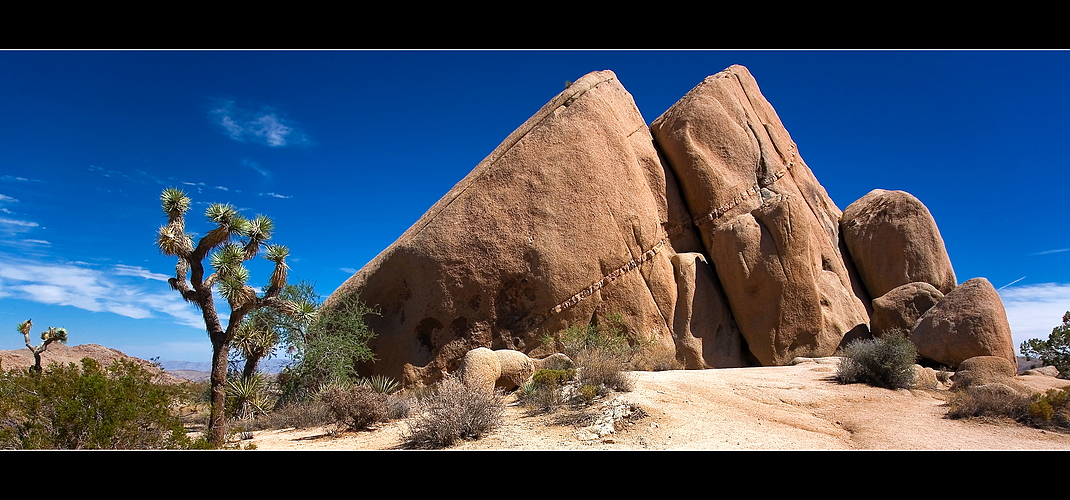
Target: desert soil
[[774, 408]]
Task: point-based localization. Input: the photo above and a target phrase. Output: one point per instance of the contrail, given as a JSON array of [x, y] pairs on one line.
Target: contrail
[[1011, 283]]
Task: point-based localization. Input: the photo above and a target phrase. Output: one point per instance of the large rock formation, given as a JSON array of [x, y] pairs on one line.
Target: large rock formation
[[894, 241], [572, 216], [771, 230], [720, 245]]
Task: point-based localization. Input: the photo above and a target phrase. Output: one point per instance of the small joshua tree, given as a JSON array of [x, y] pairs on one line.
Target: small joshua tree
[[52, 335], [233, 241]]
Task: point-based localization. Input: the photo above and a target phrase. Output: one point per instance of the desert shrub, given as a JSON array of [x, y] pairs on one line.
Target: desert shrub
[[1050, 407], [1046, 410], [657, 359], [355, 407], [988, 401], [602, 352], [545, 390], [603, 369], [1055, 351], [886, 362], [298, 414], [67, 407], [452, 412]]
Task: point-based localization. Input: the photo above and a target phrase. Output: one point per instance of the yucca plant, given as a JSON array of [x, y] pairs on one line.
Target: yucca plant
[[227, 247], [247, 397], [381, 384]]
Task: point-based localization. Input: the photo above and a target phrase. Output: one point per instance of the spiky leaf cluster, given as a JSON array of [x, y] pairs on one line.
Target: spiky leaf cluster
[[54, 334]]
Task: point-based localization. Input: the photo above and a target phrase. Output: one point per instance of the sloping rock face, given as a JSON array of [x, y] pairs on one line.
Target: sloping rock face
[[771, 230], [571, 217], [969, 321], [894, 241]]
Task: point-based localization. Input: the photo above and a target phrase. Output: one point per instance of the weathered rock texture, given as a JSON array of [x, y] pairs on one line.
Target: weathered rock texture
[[901, 307], [771, 230], [572, 216], [969, 321], [894, 240]]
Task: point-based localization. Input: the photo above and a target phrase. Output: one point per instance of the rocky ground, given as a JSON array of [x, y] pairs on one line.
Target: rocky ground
[[774, 408]]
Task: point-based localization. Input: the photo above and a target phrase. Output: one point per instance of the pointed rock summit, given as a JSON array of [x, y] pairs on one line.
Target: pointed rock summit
[[771, 230], [706, 233]]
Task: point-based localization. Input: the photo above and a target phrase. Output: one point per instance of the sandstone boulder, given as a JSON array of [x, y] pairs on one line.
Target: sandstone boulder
[[893, 240], [571, 218], [480, 369], [987, 370], [969, 321], [771, 230], [901, 307], [483, 369]]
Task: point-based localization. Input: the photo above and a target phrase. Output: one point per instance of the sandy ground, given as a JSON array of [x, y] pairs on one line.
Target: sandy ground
[[775, 408]]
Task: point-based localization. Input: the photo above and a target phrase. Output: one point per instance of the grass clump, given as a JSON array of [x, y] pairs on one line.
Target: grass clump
[[882, 362], [452, 412]]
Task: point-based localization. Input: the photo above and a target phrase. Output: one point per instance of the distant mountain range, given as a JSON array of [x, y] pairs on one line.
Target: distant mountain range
[[267, 366]]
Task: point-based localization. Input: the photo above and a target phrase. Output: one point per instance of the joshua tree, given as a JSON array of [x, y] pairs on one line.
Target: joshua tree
[[233, 241], [52, 335]]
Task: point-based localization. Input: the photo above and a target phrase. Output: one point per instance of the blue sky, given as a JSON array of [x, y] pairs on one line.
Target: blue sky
[[346, 149]]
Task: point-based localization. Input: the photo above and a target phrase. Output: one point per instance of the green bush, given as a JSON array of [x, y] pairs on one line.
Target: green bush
[[883, 362], [1055, 351], [67, 407], [452, 412], [545, 390], [328, 351]]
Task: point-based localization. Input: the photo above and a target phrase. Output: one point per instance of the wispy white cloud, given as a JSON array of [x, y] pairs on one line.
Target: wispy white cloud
[[1045, 252], [39, 242], [263, 126], [1033, 310], [348, 270], [16, 225], [94, 290], [12, 178], [7, 199], [276, 195], [256, 166], [141, 272]]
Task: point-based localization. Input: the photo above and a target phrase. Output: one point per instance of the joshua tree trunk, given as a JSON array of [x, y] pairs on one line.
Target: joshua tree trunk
[[251, 364], [216, 428]]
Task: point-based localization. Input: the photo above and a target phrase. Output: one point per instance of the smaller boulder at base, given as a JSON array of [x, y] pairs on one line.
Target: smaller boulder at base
[[970, 321]]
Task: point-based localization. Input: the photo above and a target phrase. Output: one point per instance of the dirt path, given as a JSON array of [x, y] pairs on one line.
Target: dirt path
[[775, 408]]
